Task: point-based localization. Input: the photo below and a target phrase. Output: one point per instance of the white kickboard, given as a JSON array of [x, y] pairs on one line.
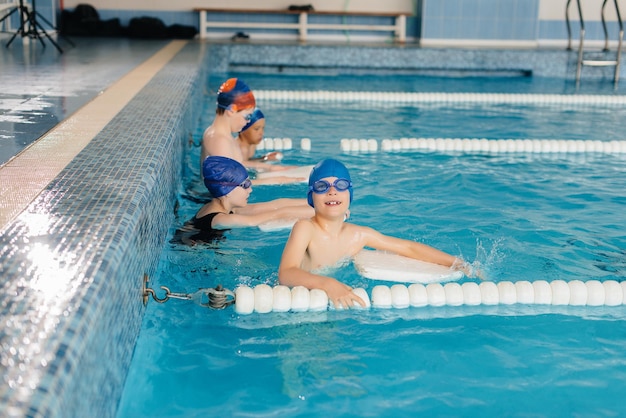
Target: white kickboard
[[302, 171], [277, 225], [379, 265]]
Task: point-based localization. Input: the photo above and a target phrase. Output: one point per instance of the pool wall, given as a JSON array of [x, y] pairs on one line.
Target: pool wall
[[408, 60], [72, 264]]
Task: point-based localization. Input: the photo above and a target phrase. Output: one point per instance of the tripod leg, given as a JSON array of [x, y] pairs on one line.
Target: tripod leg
[[12, 39], [32, 27], [52, 26], [9, 15], [41, 29], [21, 28]]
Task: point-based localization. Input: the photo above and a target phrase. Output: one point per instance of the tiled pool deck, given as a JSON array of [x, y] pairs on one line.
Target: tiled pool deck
[[85, 210]]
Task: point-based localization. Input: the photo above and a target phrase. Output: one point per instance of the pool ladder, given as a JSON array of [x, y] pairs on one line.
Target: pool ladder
[[595, 62]]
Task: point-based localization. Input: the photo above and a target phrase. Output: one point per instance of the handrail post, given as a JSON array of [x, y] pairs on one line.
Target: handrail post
[[569, 29], [606, 32], [619, 44], [580, 43]]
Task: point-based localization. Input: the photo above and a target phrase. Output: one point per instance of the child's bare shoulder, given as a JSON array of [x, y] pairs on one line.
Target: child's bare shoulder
[[304, 225]]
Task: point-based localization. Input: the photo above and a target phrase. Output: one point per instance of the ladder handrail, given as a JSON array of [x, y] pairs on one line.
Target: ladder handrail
[[582, 22], [606, 32], [580, 18], [581, 61], [619, 21]]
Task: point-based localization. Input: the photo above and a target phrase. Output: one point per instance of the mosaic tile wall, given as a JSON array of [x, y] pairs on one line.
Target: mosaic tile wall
[[72, 264], [410, 60]]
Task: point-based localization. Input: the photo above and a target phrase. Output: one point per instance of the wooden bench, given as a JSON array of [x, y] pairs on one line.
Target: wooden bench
[[302, 25]]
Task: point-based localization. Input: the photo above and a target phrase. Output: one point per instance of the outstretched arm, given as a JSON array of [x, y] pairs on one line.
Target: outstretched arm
[[277, 180], [276, 204], [256, 218], [291, 273], [416, 250]]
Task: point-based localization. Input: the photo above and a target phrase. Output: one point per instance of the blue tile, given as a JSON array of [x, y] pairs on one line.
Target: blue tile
[[451, 8], [526, 9]]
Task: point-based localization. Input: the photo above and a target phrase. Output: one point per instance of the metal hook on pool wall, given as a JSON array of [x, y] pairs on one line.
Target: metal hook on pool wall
[[149, 291], [218, 298]]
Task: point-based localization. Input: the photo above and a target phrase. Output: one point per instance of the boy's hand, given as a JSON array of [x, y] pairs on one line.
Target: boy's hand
[[341, 295], [273, 156]]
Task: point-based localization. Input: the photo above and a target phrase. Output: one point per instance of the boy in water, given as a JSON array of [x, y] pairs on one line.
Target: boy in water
[[252, 135], [235, 104], [227, 181], [235, 107], [326, 239]]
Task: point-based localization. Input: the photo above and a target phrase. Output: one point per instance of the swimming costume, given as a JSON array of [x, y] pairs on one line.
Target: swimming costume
[[199, 230]]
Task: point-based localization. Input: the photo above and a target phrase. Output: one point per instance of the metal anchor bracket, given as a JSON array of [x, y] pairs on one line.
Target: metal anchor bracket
[[215, 298]]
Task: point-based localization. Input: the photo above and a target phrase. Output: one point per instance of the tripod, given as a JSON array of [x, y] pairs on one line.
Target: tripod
[[29, 26]]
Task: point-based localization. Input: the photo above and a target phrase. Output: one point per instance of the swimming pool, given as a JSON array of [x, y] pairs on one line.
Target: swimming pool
[[523, 215]]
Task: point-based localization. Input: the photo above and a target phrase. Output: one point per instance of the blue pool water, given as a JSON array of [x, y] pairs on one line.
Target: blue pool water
[[523, 216]]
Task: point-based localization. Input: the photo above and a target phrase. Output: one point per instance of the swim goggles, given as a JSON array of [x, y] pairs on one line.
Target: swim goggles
[[322, 186], [246, 184]]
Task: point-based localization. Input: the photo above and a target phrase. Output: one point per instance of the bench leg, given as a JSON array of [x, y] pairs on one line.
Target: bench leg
[[401, 28], [203, 25], [302, 30]]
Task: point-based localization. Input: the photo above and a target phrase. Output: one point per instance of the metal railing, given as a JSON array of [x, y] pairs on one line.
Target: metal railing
[[595, 62]]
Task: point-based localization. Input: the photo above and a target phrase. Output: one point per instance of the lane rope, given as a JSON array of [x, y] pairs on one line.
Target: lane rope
[[439, 97], [263, 298]]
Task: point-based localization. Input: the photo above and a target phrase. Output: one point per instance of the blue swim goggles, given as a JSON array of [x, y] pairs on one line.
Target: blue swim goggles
[[245, 184], [322, 186]]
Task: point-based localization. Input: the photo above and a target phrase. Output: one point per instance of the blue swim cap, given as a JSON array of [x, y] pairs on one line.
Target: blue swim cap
[[222, 175], [235, 95], [327, 168], [254, 118]]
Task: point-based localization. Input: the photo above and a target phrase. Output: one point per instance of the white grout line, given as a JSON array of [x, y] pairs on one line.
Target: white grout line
[[25, 176]]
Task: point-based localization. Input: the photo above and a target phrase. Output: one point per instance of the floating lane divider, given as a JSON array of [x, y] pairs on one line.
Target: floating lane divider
[[538, 146], [264, 298], [484, 145], [279, 144], [437, 97]]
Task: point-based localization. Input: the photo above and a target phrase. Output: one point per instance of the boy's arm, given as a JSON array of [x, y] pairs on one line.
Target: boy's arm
[[290, 272], [270, 156], [408, 248], [235, 220], [275, 204], [277, 180], [419, 251], [261, 164]]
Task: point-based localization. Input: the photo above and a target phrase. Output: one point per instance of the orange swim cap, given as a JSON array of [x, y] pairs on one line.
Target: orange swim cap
[[235, 95]]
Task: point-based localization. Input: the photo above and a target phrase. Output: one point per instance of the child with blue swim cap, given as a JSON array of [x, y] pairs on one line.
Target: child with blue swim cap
[[229, 185], [327, 240], [250, 136]]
